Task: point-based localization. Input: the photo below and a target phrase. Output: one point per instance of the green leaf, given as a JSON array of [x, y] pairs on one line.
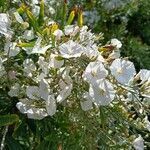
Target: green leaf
[[64, 13], [13, 144], [102, 116], [8, 119], [80, 18], [2, 2], [41, 14]]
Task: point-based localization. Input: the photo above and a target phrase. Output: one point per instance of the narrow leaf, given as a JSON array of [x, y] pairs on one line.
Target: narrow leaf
[[71, 17], [8, 119], [41, 14], [80, 18]]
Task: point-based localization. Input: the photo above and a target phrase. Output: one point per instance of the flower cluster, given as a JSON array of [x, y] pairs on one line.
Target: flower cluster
[[74, 59], [67, 68]]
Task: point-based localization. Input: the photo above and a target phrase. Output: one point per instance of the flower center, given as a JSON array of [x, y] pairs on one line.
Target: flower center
[[119, 71], [93, 72], [102, 92]]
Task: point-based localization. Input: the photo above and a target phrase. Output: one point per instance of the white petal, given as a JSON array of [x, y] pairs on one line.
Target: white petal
[[58, 33], [37, 49], [102, 93], [54, 63], [144, 75], [29, 67], [36, 113], [11, 49], [114, 55], [33, 92], [122, 70], [22, 107], [51, 105], [116, 43], [71, 30], [44, 89], [5, 25], [43, 65], [65, 92], [138, 143], [147, 123], [29, 35]]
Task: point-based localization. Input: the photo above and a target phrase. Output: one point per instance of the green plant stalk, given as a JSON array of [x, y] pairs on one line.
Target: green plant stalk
[[41, 14]]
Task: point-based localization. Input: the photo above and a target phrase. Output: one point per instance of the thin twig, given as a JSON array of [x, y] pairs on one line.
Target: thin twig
[[3, 139]]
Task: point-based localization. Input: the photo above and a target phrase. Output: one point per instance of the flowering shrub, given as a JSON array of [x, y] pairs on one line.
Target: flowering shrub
[[55, 69]]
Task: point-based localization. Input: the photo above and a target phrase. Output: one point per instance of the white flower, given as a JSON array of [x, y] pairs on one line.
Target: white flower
[[11, 49], [14, 91], [144, 75], [58, 34], [5, 25], [54, 61], [116, 43], [29, 67], [22, 107], [102, 93], [122, 70], [51, 105], [94, 71], [138, 143], [86, 104], [71, 30], [70, 49], [29, 35], [37, 49], [33, 92]]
